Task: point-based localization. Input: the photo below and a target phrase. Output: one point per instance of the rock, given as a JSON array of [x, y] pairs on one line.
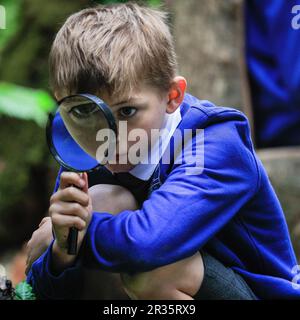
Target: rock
[[208, 45], [283, 167]]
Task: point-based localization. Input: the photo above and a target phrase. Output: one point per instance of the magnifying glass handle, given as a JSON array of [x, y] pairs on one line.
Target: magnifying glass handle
[[73, 237], [72, 241]]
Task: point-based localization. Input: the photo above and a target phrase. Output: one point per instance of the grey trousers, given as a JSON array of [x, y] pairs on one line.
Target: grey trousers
[[221, 282]]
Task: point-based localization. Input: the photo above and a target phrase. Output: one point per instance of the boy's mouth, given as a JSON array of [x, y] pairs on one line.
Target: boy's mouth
[[120, 156]]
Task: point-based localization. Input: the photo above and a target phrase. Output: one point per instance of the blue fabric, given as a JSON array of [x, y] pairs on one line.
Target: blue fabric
[[230, 210], [62, 286], [273, 60]]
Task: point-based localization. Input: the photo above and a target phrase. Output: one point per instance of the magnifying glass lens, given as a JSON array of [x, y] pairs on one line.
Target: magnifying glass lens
[[82, 133]]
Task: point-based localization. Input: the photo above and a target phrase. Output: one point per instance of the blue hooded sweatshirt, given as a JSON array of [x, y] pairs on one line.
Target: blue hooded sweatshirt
[[224, 204]]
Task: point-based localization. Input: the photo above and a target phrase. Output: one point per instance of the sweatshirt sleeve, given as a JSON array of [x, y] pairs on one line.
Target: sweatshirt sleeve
[[47, 285], [187, 210]]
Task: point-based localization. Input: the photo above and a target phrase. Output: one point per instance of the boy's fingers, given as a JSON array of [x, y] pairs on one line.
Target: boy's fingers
[[66, 221], [69, 209], [84, 177], [70, 194], [71, 178], [46, 219]]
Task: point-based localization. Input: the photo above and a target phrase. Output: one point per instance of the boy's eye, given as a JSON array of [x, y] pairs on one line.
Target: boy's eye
[[84, 111], [127, 112]]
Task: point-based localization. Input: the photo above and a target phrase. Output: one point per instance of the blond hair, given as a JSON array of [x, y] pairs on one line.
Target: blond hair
[[114, 48]]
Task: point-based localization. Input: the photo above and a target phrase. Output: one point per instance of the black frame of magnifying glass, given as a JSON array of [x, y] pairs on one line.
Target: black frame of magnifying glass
[[103, 107]]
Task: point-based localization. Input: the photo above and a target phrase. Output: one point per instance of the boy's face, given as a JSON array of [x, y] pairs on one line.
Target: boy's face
[[144, 110], [136, 117]]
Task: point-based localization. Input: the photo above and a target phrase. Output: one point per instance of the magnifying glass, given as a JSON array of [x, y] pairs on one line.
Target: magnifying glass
[[81, 136]]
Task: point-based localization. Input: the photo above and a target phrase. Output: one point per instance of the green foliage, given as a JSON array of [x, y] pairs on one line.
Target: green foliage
[[27, 176], [154, 3], [27, 170], [25, 103], [24, 291]]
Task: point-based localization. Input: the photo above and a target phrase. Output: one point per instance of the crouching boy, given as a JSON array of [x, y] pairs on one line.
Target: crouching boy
[[205, 227]]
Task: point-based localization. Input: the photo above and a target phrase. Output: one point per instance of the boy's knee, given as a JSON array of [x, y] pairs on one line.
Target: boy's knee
[[112, 198], [141, 286], [173, 281]]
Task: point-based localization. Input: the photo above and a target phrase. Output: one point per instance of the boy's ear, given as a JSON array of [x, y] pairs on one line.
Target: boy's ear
[[176, 93]]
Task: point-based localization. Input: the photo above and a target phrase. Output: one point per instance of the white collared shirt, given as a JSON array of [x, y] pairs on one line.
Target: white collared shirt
[[144, 171]]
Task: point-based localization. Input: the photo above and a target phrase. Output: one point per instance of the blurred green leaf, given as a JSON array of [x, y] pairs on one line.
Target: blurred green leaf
[[154, 3], [25, 103]]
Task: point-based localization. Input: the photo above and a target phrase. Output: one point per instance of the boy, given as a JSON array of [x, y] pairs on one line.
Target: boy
[[211, 232]]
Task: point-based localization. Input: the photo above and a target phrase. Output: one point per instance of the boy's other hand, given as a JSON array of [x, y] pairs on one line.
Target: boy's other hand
[[70, 206], [39, 242]]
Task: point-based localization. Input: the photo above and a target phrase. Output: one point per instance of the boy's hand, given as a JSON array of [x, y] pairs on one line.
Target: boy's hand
[[39, 242], [70, 206]]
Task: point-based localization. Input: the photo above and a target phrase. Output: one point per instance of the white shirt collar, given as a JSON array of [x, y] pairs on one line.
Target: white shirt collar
[[144, 171]]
